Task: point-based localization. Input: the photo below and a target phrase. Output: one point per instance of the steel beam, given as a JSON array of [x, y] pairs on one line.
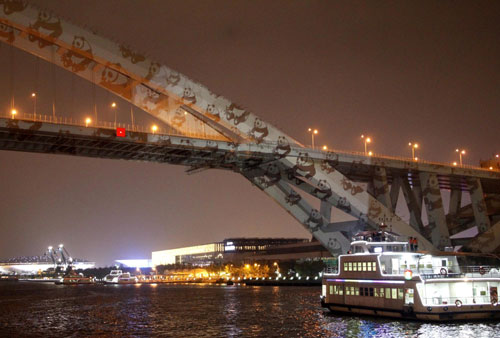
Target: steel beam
[[438, 227], [478, 205]]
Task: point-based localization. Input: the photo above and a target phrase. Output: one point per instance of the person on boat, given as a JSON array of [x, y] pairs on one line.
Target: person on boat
[[410, 240], [415, 243]]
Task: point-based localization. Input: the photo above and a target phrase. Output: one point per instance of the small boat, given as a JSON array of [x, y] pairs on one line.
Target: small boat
[[387, 279], [73, 278], [119, 277]]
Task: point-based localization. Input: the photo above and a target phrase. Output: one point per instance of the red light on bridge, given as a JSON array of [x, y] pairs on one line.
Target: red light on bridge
[[120, 132]]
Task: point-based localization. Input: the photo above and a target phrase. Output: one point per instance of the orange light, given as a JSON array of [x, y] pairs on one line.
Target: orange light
[[113, 105], [408, 274], [87, 121], [154, 128], [370, 153], [368, 140], [315, 131], [13, 112], [325, 147], [33, 94], [491, 168], [454, 163]]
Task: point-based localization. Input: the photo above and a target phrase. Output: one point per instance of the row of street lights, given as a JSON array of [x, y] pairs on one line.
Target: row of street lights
[[413, 146], [88, 120]]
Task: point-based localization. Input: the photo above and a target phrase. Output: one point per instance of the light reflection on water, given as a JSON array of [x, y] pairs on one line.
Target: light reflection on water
[[197, 311]]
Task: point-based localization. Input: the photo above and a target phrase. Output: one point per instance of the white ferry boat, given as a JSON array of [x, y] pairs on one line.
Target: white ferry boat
[[119, 277], [384, 278]]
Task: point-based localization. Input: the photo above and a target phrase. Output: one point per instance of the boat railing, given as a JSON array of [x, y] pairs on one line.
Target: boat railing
[[330, 270], [460, 300], [456, 271]]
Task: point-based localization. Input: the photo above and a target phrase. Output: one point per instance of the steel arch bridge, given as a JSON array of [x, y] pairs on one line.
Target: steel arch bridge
[[209, 131]]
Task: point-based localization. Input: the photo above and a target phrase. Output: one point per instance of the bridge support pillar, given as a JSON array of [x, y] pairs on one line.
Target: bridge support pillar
[[478, 205], [381, 188], [438, 227], [413, 199]]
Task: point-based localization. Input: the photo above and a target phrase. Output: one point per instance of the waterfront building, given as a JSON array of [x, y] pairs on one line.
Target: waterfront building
[[237, 250]]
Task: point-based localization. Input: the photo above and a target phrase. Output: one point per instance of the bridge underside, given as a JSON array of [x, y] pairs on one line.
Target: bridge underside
[[366, 190]]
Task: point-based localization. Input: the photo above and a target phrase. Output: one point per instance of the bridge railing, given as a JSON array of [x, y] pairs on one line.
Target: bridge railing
[[81, 122], [269, 146]]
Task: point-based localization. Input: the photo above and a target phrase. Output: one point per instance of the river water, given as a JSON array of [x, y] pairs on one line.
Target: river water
[[43, 310]]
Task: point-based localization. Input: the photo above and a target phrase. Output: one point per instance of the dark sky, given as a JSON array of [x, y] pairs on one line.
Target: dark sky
[[400, 71]]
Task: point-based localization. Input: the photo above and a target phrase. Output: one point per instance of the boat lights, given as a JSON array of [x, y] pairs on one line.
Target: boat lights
[[408, 274]]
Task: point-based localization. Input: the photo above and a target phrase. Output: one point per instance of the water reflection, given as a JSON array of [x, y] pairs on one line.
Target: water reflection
[[196, 311]]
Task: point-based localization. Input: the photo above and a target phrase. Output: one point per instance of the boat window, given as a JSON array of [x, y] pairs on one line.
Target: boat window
[[400, 293], [376, 292], [355, 266], [331, 289], [388, 293], [338, 290], [347, 291], [394, 293], [374, 266], [369, 267], [350, 266], [364, 266], [361, 292], [359, 266], [443, 262], [345, 267], [356, 290], [371, 292], [382, 292]]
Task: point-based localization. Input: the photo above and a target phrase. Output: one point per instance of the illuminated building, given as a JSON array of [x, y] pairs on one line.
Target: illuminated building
[[241, 249]]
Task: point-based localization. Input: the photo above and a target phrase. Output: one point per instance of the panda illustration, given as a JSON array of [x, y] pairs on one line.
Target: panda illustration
[[375, 209], [293, 198], [77, 61], [115, 81], [323, 191], [188, 95], [154, 68], [283, 147], [213, 112], [11, 6], [173, 79], [330, 162], [47, 25], [344, 205], [272, 174], [259, 130], [128, 53], [315, 220], [304, 166], [236, 114], [179, 118]]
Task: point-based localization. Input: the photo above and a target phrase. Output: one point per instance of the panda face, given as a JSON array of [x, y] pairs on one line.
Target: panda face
[[272, 169], [211, 109], [81, 43], [259, 123], [188, 92], [323, 185]]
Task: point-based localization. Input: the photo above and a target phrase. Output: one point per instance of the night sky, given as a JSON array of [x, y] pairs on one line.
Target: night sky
[[399, 71]]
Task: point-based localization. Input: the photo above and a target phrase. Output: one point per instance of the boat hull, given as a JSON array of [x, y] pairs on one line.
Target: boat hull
[[438, 314]]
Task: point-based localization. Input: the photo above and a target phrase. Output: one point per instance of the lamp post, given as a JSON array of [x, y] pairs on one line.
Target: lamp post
[[87, 121], [113, 106], [313, 132], [154, 128], [33, 96], [13, 112], [366, 140], [413, 147], [460, 153]]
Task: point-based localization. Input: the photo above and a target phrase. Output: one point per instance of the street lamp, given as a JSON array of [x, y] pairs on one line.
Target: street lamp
[[113, 106], [87, 121], [313, 132], [460, 153], [366, 140], [154, 128], [13, 112], [325, 148], [413, 147], [33, 96]]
